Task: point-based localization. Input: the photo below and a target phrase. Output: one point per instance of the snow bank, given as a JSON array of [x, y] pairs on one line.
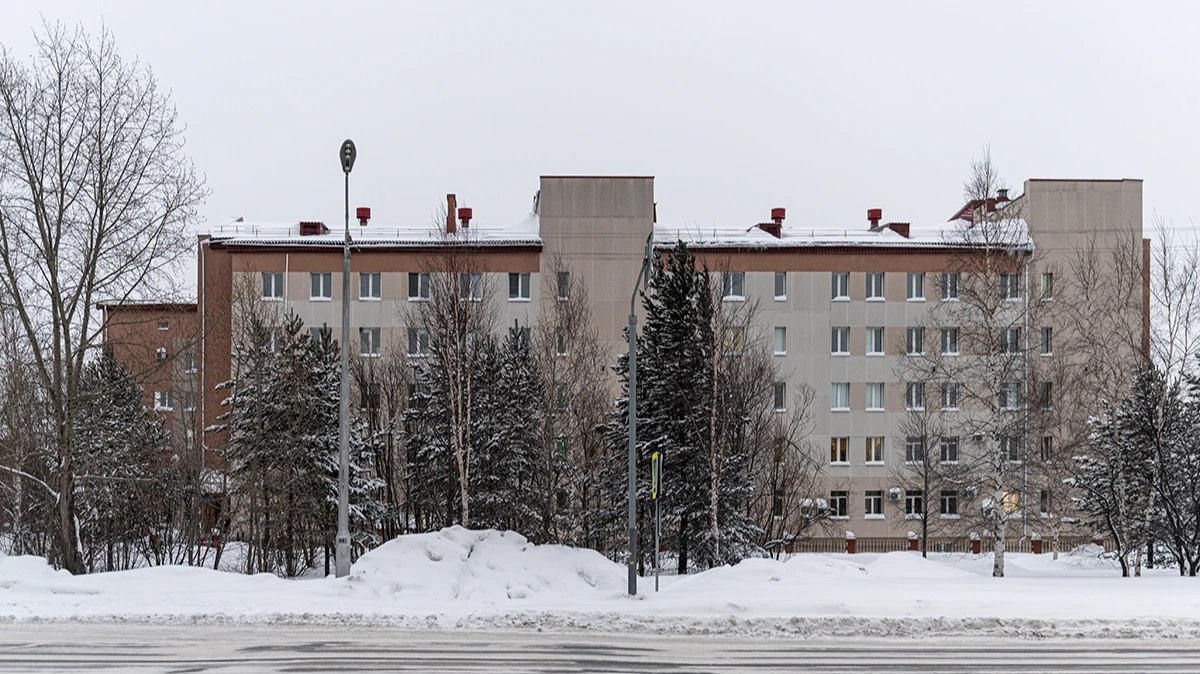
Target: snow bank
[[912, 565]]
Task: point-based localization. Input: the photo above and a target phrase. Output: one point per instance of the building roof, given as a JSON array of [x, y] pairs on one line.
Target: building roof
[[524, 232]]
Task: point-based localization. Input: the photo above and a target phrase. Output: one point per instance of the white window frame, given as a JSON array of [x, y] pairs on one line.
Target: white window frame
[[374, 338], [780, 286], [839, 390], [948, 496], [780, 341], [875, 286], [161, 353], [915, 286], [524, 282], [1010, 446], [1047, 286], [914, 504], [839, 341], [950, 286], [873, 504], [840, 286], [470, 286], [276, 283], [164, 325], [841, 497], [873, 448], [418, 342], [1047, 341], [189, 401], [1010, 395], [779, 396], [914, 396], [914, 449], [324, 280], [423, 286], [950, 395], [950, 342], [564, 286], [733, 286], [560, 342], [914, 341], [189, 361], [374, 282], [875, 397], [1010, 287], [876, 348], [164, 400], [1010, 341], [946, 444]]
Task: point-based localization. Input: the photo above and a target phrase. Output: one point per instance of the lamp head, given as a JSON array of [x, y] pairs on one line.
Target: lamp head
[[348, 154]]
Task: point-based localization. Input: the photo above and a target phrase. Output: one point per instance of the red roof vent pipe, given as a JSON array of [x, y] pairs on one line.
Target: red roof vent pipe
[[363, 214], [1002, 195], [777, 214], [464, 214], [874, 215]]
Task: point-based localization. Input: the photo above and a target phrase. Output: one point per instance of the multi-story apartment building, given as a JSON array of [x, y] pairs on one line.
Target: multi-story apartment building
[[836, 303]]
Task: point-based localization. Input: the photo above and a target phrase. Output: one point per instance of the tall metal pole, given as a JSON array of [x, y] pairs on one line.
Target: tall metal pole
[[643, 275], [342, 550]]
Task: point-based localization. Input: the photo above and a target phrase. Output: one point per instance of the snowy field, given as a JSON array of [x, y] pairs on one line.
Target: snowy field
[[492, 580]]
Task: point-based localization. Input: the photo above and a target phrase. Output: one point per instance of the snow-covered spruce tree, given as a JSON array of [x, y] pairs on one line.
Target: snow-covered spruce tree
[[1113, 481], [130, 488]]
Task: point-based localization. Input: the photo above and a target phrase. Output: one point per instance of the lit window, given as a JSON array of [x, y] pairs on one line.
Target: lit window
[[518, 286], [320, 286], [874, 341], [418, 286], [875, 396], [841, 285], [874, 450], [1011, 501], [950, 286], [875, 285], [369, 341], [734, 284], [780, 341], [839, 396], [839, 450], [840, 341], [272, 285], [370, 286], [916, 286]]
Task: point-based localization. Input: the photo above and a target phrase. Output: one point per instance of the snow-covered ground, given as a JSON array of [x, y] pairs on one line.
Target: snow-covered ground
[[487, 579]]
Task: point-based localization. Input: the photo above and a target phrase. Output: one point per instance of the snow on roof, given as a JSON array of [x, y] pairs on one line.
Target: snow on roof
[[524, 232]]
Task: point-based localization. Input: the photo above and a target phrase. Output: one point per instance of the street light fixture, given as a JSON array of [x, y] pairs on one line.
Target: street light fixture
[[643, 279], [342, 548]]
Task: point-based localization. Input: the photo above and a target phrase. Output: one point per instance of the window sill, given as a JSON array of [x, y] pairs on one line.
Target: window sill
[[839, 517], [418, 299], [839, 463], [914, 409], [873, 463], [272, 299], [320, 299], [912, 516], [781, 353], [164, 409], [418, 355], [839, 298], [914, 299], [781, 298], [949, 463], [519, 299], [949, 409], [839, 409], [951, 354], [876, 353], [949, 517], [950, 299], [368, 355], [727, 298], [876, 409], [843, 354], [1047, 354], [873, 517], [876, 299], [915, 353], [370, 299]]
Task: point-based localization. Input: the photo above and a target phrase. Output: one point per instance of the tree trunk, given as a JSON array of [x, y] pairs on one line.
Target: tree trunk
[[683, 545], [1000, 542], [68, 525]]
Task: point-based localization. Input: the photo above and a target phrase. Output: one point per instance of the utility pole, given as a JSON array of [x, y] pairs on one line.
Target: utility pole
[[643, 278], [342, 550]]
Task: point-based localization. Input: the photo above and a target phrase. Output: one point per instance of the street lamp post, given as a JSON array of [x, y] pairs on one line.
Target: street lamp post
[[342, 551], [642, 279]]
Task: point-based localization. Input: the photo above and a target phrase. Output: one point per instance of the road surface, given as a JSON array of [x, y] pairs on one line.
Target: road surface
[[197, 649]]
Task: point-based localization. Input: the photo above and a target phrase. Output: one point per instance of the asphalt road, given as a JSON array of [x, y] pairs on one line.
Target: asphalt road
[[138, 648]]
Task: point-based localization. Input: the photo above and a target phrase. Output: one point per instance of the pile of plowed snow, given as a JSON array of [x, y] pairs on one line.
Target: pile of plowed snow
[[483, 567]]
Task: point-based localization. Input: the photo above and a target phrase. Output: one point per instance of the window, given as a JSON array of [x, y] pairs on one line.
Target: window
[[915, 288], [164, 400], [564, 285], [164, 325], [274, 337], [839, 450], [189, 436], [949, 449], [272, 285], [780, 396], [1010, 340], [915, 341], [875, 341], [371, 396], [875, 396], [732, 340], [560, 342], [839, 396], [418, 286], [319, 334], [1047, 448], [949, 395], [370, 286], [1010, 286], [1011, 501], [777, 504], [1044, 502], [914, 449], [875, 285], [733, 284], [874, 450], [189, 361], [1047, 341], [841, 285], [949, 286], [560, 449], [470, 286], [1047, 395], [160, 353], [1010, 395], [320, 286], [840, 341], [1047, 285], [780, 285], [839, 502], [563, 396], [914, 504], [950, 341], [368, 341], [518, 286], [189, 401], [1010, 448], [914, 395], [873, 504], [949, 503], [780, 341]]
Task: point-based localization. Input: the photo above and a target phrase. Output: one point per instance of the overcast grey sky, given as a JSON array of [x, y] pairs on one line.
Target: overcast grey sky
[[824, 108]]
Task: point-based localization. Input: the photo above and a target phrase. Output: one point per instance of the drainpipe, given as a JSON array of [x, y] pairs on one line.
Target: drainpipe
[[1025, 462]]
